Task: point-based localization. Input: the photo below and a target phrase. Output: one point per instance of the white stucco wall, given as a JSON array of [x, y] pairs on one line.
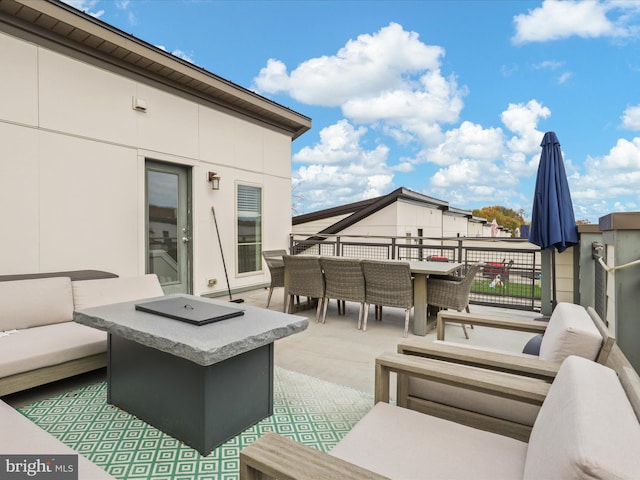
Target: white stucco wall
[[454, 226], [72, 157]]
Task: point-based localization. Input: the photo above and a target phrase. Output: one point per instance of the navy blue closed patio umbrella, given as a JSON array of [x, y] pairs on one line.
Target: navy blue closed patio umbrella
[[553, 224]]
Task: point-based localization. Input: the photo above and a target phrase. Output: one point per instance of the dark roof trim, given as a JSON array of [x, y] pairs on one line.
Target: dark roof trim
[[369, 207], [459, 211], [332, 212], [59, 22]]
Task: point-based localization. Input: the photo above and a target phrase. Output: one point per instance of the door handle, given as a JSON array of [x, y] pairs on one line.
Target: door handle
[[185, 239]]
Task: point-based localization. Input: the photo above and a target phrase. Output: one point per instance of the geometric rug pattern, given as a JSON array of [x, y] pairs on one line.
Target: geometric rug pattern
[[307, 409]]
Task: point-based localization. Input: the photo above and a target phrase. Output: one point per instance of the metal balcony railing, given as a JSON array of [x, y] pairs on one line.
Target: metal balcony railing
[[511, 275]]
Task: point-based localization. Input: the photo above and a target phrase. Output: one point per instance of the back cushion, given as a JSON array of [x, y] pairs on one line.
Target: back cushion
[[586, 427], [571, 331], [93, 293], [32, 303]]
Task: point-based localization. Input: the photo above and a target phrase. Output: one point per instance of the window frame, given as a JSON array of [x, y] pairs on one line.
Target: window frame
[[236, 241]]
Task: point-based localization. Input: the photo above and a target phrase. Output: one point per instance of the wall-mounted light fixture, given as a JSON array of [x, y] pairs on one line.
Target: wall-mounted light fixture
[[214, 178]]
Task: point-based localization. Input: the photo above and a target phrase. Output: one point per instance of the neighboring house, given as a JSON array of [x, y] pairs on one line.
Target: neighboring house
[[107, 144], [401, 213]]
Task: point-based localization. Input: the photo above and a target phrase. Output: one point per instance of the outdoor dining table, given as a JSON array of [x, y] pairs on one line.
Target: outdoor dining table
[[421, 271]]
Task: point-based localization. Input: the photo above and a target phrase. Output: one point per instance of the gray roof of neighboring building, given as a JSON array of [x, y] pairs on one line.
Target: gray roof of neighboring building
[[364, 208]]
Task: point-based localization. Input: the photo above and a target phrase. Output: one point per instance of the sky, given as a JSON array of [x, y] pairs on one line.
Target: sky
[[448, 98]]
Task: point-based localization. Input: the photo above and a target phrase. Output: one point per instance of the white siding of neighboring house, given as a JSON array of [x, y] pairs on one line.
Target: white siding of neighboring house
[[454, 226], [413, 216], [399, 219], [72, 159], [475, 229], [317, 225]]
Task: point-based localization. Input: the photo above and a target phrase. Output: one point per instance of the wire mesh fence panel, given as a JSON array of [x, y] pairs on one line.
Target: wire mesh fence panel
[[510, 277]]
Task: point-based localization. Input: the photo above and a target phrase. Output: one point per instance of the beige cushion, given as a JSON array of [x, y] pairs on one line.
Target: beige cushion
[[38, 347], [404, 444], [483, 403], [586, 427], [19, 435], [30, 303], [571, 331], [93, 293]]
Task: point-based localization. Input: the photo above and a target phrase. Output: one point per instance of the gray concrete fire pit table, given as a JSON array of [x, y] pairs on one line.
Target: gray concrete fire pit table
[[201, 384]]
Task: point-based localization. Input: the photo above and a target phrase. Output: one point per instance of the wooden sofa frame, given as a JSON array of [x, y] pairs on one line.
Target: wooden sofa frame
[[505, 362], [530, 368]]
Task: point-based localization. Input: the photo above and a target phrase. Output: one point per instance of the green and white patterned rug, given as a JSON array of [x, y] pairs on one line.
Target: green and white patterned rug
[[309, 410]]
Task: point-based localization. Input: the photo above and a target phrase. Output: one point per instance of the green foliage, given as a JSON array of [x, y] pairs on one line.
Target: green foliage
[[506, 217]]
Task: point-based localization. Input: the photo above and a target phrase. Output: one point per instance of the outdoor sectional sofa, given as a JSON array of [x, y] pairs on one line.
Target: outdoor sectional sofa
[[40, 343]]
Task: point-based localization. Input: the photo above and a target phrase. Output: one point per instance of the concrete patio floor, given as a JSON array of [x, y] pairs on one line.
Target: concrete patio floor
[[338, 352], [335, 351]]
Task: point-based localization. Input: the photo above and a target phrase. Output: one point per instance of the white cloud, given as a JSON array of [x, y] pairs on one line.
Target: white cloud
[[556, 20], [390, 77], [482, 165], [469, 141], [631, 118], [522, 119], [363, 67], [340, 170], [614, 175], [388, 81], [564, 77], [86, 6], [178, 53], [624, 157], [548, 65]]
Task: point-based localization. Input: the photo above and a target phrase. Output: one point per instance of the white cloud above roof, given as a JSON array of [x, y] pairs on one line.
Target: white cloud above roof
[[556, 20]]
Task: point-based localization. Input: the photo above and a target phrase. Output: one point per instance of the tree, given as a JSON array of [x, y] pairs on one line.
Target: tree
[[505, 217]]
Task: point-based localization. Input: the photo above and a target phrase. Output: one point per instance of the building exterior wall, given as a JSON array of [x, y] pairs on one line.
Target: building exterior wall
[[317, 225], [383, 222], [454, 226], [475, 229], [72, 167], [413, 216]]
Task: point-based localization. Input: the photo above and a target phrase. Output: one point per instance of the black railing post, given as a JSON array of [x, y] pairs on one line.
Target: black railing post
[[393, 248], [338, 249]]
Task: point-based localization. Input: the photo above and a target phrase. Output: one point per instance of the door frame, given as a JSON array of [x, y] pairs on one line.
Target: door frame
[[184, 223]]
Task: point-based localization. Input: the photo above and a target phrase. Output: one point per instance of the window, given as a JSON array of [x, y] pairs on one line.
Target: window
[[249, 228]]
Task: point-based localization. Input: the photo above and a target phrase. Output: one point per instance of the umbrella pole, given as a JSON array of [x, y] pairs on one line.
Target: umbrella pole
[[554, 301]]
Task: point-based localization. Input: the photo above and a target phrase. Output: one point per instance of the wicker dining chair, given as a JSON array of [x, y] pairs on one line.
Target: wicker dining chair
[[273, 259], [450, 291], [303, 277], [344, 282], [387, 283]]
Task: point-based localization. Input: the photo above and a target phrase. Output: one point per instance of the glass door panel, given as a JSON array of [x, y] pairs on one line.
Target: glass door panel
[[168, 226]]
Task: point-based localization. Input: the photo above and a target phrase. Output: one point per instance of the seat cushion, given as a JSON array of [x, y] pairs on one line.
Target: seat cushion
[[48, 345], [586, 427], [19, 435], [404, 444], [571, 331], [94, 293], [30, 303]]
